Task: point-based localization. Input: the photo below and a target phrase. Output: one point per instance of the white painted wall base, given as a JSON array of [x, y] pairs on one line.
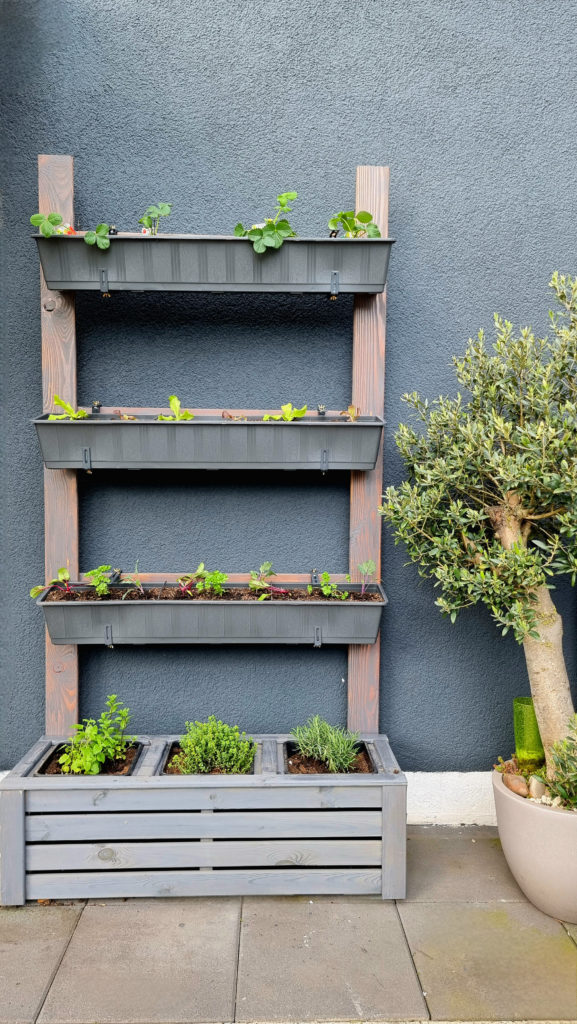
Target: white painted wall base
[[450, 798]]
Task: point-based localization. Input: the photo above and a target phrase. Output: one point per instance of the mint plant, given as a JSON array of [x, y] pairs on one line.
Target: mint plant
[[260, 581], [177, 412], [100, 579], [214, 747], [329, 744], [70, 413], [98, 741], [151, 219], [134, 583], [288, 413], [60, 582], [328, 589], [273, 232], [99, 237], [355, 225]]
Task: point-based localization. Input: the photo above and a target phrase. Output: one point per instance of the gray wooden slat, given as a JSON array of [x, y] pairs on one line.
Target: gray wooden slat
[[11, 848], [36, 753], [151, 759], [244, 853], [182, 825], [269, 759], [385, 753], [394, 871], [192, 799], [107, 885]]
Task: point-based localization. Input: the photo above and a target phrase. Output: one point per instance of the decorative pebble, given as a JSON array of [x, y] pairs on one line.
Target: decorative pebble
[[516, 783], [537, 787]]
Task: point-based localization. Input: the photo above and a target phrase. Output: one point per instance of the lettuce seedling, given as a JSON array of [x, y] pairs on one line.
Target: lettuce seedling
[[177, 412], [367, 571], [60, 582], [187, 581], [328, 589], [70, 413], [355, 225], [95, 742], [288, 413], [151, 219], [273, 232], [261, 581], [100, 579], [212, 582]]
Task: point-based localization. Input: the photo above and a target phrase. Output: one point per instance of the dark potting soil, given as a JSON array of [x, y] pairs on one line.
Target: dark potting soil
[[298, 764], [169, 592], [171, 769], [120, 766]]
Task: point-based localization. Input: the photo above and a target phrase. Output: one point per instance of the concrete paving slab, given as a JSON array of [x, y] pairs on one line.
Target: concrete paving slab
[[492, 961], [446, 864], [151, 961], [32, 941], [306, 960]]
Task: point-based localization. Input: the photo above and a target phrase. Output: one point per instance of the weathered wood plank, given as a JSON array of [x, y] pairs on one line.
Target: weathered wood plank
[[134, 410], [385, 753], [269, 757], [394, 870], [183, 825], [107, 885], [152, 758], [32, 757], [368, 394], [11, 848], [179, 798], [58, 327], [231, 854], [233, 577]]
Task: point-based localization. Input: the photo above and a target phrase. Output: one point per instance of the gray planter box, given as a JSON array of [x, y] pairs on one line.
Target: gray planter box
[[215, 622], [209, 442], [207, 263], [164, 835]]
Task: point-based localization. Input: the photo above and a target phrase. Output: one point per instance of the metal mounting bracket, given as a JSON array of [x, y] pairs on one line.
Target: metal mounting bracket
[[87, 460], [334, 283], [318, 640], [104, 284], [324, 460], [108, 635]]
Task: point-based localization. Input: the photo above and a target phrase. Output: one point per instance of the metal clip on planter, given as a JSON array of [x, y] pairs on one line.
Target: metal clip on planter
[[104, 284], [318, 640], [324, 460], [108, 635], [86, 460], [334, 285]]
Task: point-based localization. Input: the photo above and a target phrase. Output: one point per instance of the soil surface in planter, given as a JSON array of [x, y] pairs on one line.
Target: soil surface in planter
[[172, 593], [170, 769], [298, 764], [121, 766]]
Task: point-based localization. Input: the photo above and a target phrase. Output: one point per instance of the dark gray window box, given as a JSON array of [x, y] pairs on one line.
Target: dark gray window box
[[208, 263], [150, 834], [185, 621], [209, 442]]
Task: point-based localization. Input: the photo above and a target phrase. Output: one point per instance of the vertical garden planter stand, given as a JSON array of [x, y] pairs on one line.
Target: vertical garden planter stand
[[62, 837]]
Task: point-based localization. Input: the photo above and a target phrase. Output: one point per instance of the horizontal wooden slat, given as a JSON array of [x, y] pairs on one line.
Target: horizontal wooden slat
[[228, 854], [233, 577], [107, 885], [136, 410], [179, 799], [265, 824]]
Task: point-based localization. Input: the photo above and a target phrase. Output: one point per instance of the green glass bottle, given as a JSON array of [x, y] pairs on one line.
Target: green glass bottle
[[528, 746]]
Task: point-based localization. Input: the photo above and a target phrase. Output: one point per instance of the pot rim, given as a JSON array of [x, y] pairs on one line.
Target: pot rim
[[508, 793]]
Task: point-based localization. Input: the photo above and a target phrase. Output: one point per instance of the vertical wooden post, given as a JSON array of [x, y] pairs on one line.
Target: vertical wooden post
[[368, 393], [58, 325], [12, 849]]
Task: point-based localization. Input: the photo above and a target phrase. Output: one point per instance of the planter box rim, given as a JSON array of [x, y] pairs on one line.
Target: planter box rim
[[313, 421], [57, 742], [135, 236], [222, 601]]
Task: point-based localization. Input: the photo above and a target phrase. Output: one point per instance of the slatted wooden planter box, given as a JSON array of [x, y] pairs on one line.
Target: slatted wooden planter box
[[208, 263], [184, 621], [150, 834], [209, 442]]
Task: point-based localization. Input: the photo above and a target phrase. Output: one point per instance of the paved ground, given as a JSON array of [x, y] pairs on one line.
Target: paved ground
[[464, 946]]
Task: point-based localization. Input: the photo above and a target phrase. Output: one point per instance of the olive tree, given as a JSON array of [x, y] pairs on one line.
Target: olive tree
[[489, 508]]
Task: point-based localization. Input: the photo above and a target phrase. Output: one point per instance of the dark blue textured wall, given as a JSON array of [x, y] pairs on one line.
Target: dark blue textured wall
[[216, 105]]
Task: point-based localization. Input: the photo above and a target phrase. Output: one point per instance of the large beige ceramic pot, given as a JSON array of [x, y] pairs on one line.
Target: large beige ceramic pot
[[540, 846]]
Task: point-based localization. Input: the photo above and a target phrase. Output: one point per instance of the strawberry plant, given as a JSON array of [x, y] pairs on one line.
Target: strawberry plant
[[260, 581], [177, 413], [95, 742], [272, 233], [355, 225], [70, 413], [60, 582], [99, 237], [51, 224], [151, 219], [47, 224], [288, 413]]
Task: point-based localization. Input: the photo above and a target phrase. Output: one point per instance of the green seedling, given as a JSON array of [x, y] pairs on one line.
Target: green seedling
[[70, 413], [288, 413], [151, 219], [95, 742], [260, 581], [328, 589], [100, 579], [352, 412], [99, 237], [273, 232], [60, 582], [329, 744], [212, 582], [178, 413], [46, 223], [367, 571], [187, 581], [355, 225], [134, 583]]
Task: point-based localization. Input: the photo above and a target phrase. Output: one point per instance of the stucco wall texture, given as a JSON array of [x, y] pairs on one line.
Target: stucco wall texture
[[216, 106]]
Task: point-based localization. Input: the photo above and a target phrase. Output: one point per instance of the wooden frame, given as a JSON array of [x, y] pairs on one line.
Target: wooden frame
[[56, 185]]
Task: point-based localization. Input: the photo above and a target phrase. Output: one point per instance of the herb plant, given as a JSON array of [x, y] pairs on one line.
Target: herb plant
[[564, 757], [100, 579], [488, 507], [260, 581], [212, 582], [355, 225], [216, 747], [70, 413], [99, 237], [273, 232], [328, 589], [288, 413], [151, 219], [177, 412], [60, 582], [95, 742], [329, 744]]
